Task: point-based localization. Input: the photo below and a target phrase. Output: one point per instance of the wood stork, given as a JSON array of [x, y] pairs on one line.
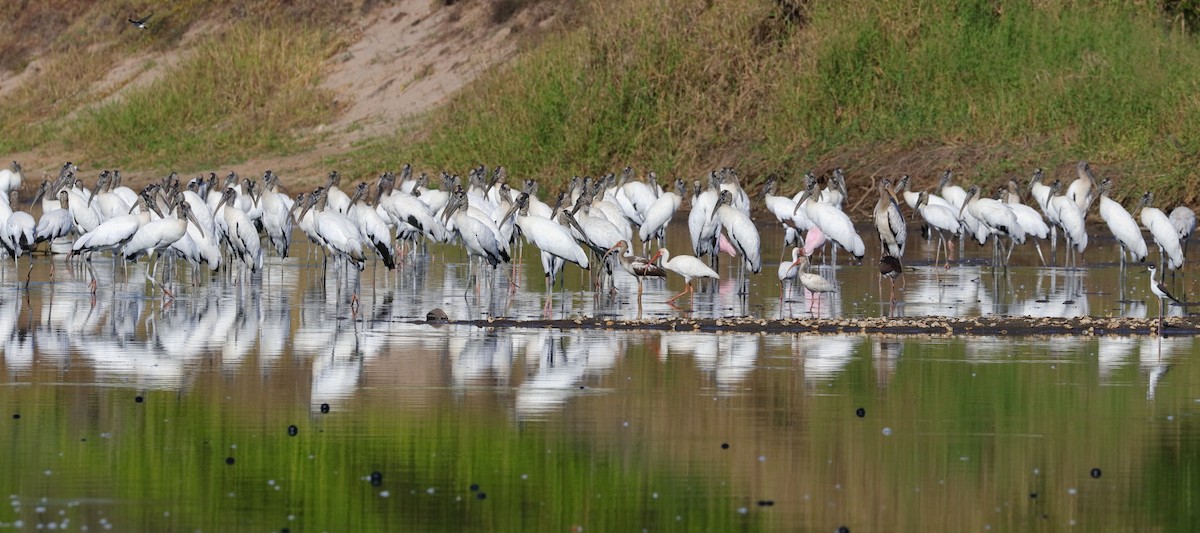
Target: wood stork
[[1184, 220], [336, 200], [701, 225], [951, 193], [276, 222], [1028, 219], [836, 226], [942, 220], [1122, 225], [889, 221], [556, 244], [371, 226], [784, 208], [10, 179], [158, 235], [17, 236], [475, 233], [240, 234], [741, 232], [334, 231], [1070, 220], [686, 266], [1081, 189], [997, 219], [1160, 290], [1162, 231], [659, 214], [110, 235]]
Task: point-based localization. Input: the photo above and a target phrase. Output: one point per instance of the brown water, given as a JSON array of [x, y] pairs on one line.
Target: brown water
[[121, 412]]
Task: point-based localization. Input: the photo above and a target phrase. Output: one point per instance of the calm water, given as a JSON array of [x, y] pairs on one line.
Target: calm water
[[119, 412]]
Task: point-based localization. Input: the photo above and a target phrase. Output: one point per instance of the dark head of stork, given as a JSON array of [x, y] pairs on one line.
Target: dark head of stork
[[681, 188], [839, 181], [45, 186], [944, 181], [652, 178], [184, 212], [810, 190], [901, 185], [1037, 178], [360, 192], [922, 199], [63, 196], [972, 191], [406, 172], [726, 198], [770, 186], [1146, 201], [227, 197], [1083, 170], [101, 183], [232, 179], [626, 173], [520, 205], [1104, 187], [300, 203], [458, 200]]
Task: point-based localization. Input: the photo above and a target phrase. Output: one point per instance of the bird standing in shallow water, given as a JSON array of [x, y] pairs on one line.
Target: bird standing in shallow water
[[638, 267], [685, 265], [1162, 293], [890, 268]]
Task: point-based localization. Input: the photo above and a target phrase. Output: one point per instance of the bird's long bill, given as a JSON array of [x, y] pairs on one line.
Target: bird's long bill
[[655, 257], [574, 223], [95, 191], [311, 203], [41, 192], [221, 203], [192, 216], [803, 196], [299, 200], [511, 210], [133, 207]]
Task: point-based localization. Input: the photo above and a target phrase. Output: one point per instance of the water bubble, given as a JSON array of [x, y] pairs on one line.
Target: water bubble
[[762, 458], [293, 430], [654, 495], [524, 476], [229, 460], [481, 495], [376, 478], [1072, 491], [887, 431], [742, 510], [860, 412], [138, 399], [626, 424], [324, 408], [1095, 473], [384, 494], [429, 490]]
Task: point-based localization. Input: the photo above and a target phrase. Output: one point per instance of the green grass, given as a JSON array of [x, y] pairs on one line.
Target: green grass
[[885, 86], [244, 92]]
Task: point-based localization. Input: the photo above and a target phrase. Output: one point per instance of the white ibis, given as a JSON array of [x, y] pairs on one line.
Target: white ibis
[[685, 265], [1122, 225], [788, 270], [814, 283], [1170, 253], [638, 267]]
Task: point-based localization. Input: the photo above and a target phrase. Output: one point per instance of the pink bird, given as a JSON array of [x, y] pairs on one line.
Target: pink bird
[[725, 246], [812, 240]]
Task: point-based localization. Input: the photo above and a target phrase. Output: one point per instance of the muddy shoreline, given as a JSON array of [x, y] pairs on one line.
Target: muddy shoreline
[[985, 325]]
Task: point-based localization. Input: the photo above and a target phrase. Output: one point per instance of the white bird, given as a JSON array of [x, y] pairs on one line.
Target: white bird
[[997, 218], [372, 227], [953, 194], [1184, 220], [943, 220], [1032, 224], [788, 271], [276, 222], [336, 199], [1070, 219], [660, 213], [742, 234], [1162, 231], [1081, 189], [836, 226], [110, 235], [556, 244], [17, 236], [240, 234], [815, 284], [158, 235], [702, 226], [1122, 225], [475, 233], [794, 220], [10, 180], [684, 265]]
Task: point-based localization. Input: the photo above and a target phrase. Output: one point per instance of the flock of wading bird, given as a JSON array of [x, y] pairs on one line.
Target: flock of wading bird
[[209, 222]]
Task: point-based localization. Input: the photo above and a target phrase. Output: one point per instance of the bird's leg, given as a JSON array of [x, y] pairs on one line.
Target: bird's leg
[[685, 291], [1038, 246]]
